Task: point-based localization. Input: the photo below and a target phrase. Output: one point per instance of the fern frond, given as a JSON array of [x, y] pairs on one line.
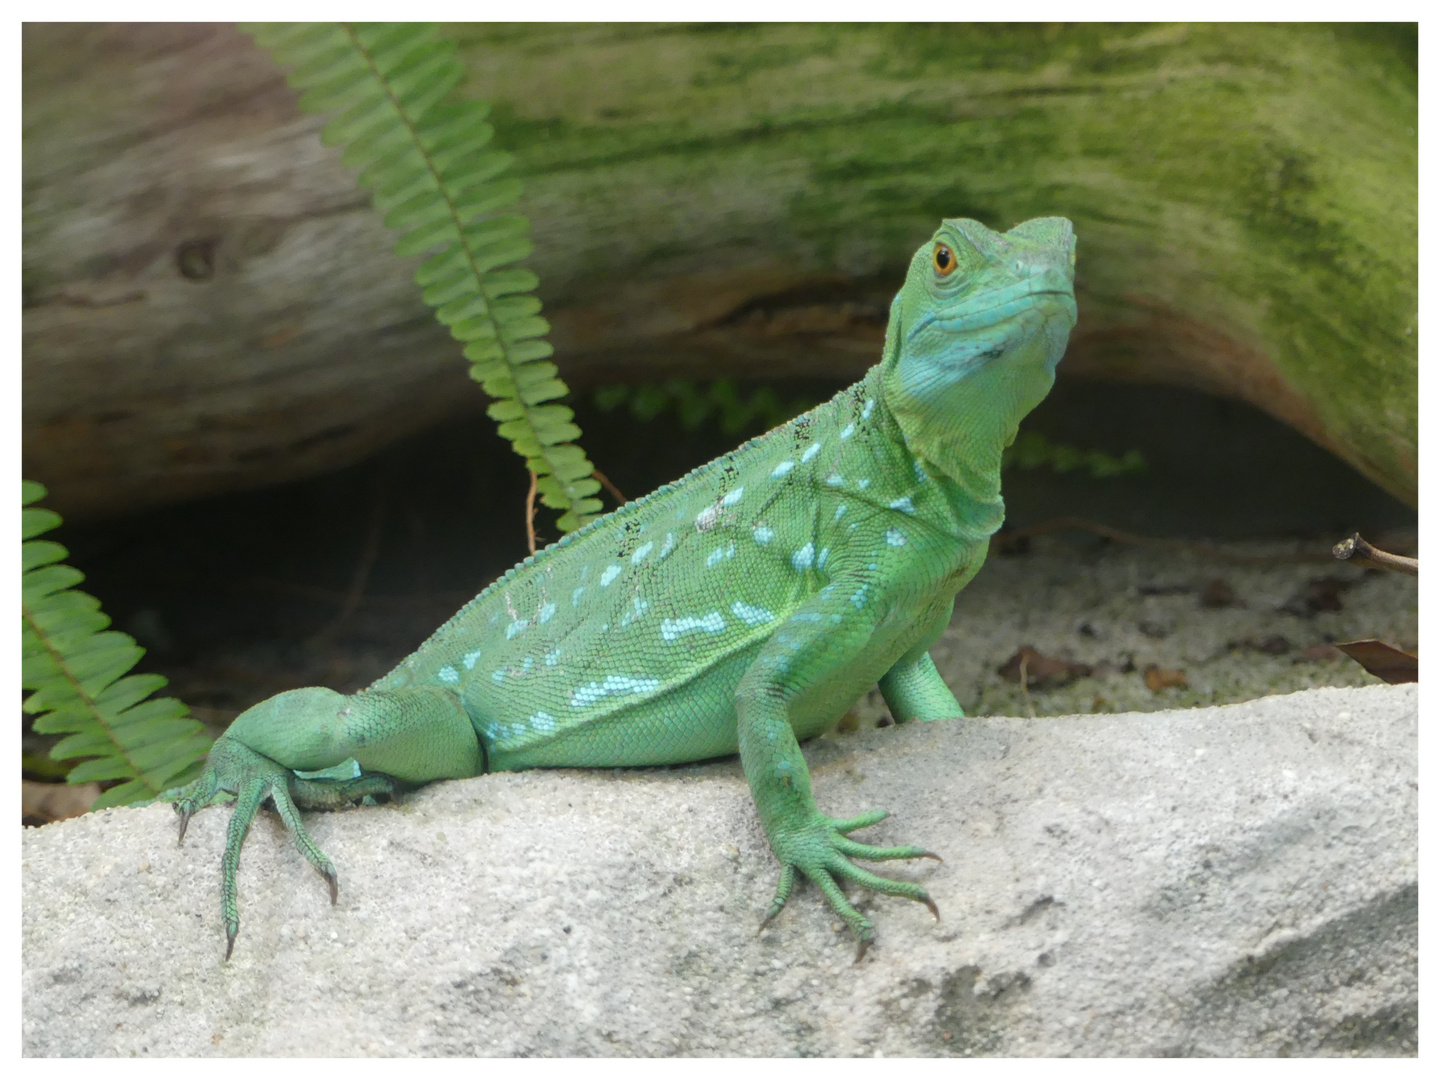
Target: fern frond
[[423, 155], [77, 668]]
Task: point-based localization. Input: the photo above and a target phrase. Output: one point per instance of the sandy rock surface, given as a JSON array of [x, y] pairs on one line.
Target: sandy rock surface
[[1220, 632], [1229, 881]]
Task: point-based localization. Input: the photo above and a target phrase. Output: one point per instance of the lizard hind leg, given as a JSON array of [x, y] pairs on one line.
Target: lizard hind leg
[[234, 768], [407, 736], [315, 793]]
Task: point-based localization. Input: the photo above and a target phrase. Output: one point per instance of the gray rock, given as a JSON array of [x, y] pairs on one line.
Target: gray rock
[[1227, 881]]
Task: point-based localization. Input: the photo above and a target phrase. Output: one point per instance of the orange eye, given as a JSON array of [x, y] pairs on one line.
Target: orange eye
[[944, 260]]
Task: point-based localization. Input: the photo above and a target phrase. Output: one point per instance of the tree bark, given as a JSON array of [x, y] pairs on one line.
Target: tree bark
[[209, 304]]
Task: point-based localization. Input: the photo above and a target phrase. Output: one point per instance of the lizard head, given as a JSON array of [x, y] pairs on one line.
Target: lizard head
[[976, 331]]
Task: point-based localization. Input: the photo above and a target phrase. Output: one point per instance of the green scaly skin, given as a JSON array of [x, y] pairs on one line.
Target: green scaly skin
[[743, 608]]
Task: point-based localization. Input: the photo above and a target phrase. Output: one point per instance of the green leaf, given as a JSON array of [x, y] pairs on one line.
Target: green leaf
[[122, 795], [514, 280], [533, 349], [426, 237], [460, 287], [518, 330], [40, 553], [103, 768], [77, 672], [480, 328], [470, 306], [40, 583], [35, 521]]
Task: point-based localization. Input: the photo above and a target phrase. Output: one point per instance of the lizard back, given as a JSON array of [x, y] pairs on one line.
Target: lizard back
[[680, 588]]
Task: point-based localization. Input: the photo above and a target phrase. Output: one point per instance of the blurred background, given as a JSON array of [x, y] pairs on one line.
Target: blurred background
[[274, 470]]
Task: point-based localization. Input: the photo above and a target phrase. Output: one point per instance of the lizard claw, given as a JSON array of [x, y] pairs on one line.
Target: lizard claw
[[184, 821], [782, 894], [203, 792], [822, 852], [861, 946]]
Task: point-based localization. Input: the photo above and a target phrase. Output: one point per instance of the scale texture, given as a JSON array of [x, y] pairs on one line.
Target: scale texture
[[742, 608]]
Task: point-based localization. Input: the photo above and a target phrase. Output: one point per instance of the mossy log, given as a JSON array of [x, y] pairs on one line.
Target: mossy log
[[209, 304]]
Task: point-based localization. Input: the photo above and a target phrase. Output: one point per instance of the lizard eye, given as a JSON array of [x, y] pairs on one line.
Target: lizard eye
[[944, 259]]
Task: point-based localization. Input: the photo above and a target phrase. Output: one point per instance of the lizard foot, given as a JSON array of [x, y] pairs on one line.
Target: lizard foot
[[821, 850], [236, 772]]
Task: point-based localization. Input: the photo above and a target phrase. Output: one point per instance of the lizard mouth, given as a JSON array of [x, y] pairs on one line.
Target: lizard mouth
[[992, 308]]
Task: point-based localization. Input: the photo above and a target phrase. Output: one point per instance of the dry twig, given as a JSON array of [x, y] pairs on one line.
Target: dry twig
[[530, 512], [1382, 660], [615, 492], [1359, 552], [1025, 684]]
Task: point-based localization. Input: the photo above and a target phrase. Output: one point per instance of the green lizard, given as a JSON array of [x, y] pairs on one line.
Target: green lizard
[[742, 608]]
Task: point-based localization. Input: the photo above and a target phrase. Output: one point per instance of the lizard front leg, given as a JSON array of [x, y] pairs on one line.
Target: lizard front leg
[[912, 688], [916, 691], [416, 735], [800, 661]]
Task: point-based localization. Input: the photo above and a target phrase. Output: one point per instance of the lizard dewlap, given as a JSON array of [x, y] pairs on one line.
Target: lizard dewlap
[[742, 608]]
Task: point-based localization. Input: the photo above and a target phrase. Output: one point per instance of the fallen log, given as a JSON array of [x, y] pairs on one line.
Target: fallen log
[[210, 305]]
